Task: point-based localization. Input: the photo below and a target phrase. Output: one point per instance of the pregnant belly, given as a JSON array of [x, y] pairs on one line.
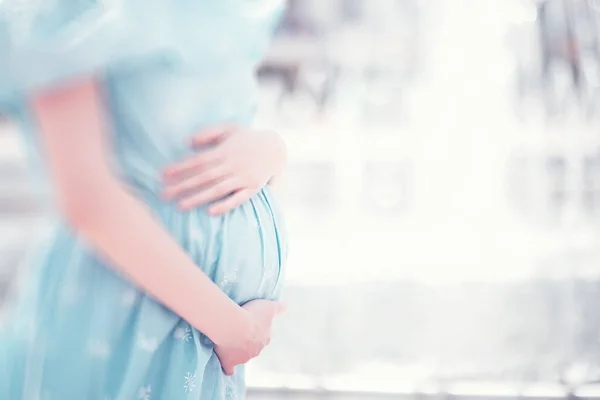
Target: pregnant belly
[[243, 251]]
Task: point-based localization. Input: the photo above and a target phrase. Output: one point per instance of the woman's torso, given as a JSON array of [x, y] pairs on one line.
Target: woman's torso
[[157, 105]]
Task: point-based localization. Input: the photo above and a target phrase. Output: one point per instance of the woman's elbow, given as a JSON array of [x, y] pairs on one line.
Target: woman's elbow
[[79, 211], [83, 207]]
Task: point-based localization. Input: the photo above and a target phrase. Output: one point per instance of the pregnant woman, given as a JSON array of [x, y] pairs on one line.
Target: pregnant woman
[[164, 269]]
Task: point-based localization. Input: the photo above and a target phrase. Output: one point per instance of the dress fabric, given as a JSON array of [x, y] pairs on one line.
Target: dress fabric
[[76, 329]]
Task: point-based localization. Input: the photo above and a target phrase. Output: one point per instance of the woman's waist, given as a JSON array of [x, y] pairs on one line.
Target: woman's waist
[[243, 251], [262, 213]]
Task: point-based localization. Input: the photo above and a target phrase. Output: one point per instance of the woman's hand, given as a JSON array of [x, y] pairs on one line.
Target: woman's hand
[[233, 165], [262, 313]]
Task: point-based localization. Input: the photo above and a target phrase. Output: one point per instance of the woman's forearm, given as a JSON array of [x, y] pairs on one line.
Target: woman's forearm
[[125, 233], [76, 139]]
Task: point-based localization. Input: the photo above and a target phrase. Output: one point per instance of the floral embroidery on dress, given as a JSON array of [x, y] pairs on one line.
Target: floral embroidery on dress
[[183, 333], [190, 382], [229, 394], [145, 392], [230, 277], [99, 349], [269, 275], [147, 344], [268, 280]]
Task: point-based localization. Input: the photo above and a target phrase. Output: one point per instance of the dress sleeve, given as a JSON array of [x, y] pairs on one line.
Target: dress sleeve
[[46, 42]]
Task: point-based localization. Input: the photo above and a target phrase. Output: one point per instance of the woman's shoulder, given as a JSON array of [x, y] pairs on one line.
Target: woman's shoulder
[[46, 42], [67, 25]]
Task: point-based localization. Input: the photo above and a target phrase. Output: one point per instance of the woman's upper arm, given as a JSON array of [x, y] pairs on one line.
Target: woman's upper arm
[[74, 135]]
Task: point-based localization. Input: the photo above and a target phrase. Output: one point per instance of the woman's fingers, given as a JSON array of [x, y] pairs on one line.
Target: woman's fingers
[[213, 135], [210, 137], [196, 182], [210, 194], [230, 202], [199, 161], [231, 358], [226, 364]]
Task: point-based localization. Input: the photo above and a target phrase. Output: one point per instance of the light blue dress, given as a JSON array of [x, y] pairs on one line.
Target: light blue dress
[[170, 68]]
